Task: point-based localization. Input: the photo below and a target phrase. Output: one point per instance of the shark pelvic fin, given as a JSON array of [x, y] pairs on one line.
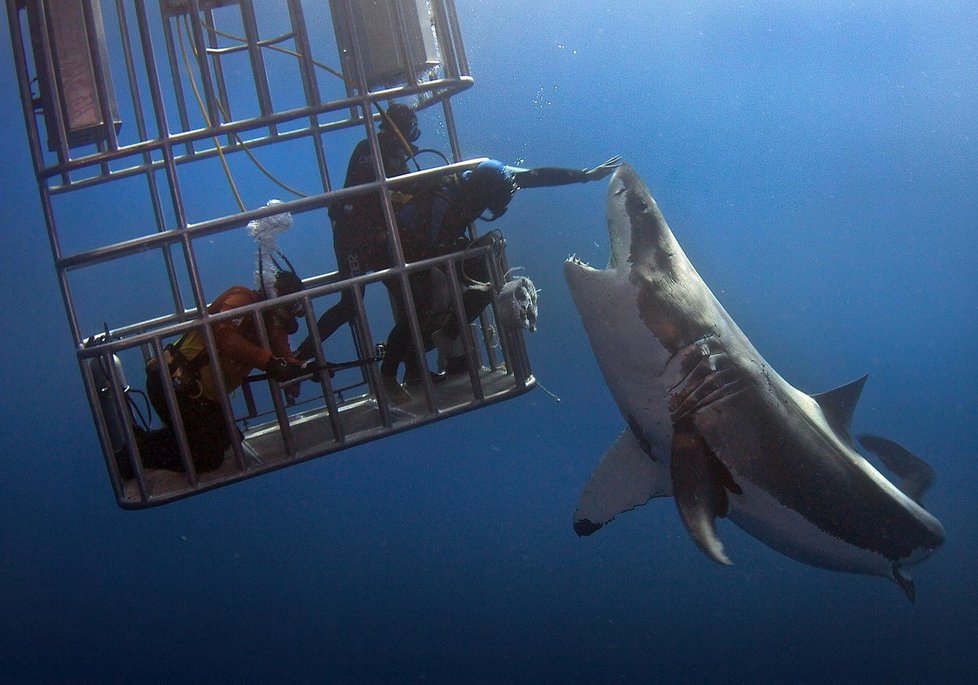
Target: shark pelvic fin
[[698, 487], [838, 405], [626, 477], [905, 583], [914, 473]]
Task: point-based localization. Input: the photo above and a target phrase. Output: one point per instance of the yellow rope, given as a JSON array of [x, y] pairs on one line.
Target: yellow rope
[[397, 131], [277, 48], [203, 113], [224, 113], [241, 142]]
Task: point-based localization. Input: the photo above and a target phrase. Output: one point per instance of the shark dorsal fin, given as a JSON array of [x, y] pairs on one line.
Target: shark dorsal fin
[[839, 403]]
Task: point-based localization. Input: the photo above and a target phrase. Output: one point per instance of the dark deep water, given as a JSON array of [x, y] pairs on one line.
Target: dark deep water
[[818, 164]]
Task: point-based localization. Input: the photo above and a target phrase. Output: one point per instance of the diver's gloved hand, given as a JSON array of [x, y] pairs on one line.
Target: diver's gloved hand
[[292, 390], [280, 370], [602, 170]]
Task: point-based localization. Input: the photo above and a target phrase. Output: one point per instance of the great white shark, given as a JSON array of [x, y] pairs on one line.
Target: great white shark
[[712, 424]]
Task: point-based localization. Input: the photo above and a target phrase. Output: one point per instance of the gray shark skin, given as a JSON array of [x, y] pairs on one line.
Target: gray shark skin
[[711, 423]]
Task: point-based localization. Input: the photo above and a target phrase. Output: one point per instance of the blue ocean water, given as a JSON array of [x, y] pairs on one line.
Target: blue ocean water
[[819, 164]]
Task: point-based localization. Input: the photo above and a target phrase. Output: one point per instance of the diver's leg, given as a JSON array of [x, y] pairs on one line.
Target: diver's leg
[[397, 348], [154, 391], [474, 302], [157, 448], [340, 313], [208, 438], [398, 343]]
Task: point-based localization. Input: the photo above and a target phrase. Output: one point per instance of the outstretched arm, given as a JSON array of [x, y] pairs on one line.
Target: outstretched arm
[[557, 176]]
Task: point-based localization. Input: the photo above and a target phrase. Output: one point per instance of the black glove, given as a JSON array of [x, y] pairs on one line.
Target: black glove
[[281, 371], [602, 170]]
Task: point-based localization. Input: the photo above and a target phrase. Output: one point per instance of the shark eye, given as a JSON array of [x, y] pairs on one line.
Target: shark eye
[[619, 192], [636, 203]]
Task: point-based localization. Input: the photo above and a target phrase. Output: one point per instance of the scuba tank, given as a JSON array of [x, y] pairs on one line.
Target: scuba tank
[[102, 369]]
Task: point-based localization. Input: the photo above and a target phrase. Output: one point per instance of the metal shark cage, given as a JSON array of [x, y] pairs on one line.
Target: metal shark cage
[[140, 114]]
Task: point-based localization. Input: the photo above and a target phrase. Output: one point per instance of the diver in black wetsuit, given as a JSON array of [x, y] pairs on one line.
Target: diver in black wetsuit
[[359, 228], [436, 223]]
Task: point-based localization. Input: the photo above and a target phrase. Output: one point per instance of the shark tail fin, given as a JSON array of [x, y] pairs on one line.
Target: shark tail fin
[[914, 473], [626, 477]]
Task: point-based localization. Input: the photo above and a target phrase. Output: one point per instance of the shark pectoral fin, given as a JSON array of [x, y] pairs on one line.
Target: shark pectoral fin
[[914, 473], [698, 490], [626, 477]]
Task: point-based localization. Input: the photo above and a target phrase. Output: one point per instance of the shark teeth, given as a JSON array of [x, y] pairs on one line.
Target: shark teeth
[[573, 258]]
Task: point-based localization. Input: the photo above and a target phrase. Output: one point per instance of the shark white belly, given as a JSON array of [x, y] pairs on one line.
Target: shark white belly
[[782, 528], [632, 359]]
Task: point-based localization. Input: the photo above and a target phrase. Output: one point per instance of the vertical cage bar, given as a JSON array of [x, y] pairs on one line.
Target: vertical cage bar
[[152, 185], [223, 101], [258, 70], [199, 46], [92, 15], [310, 86]]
